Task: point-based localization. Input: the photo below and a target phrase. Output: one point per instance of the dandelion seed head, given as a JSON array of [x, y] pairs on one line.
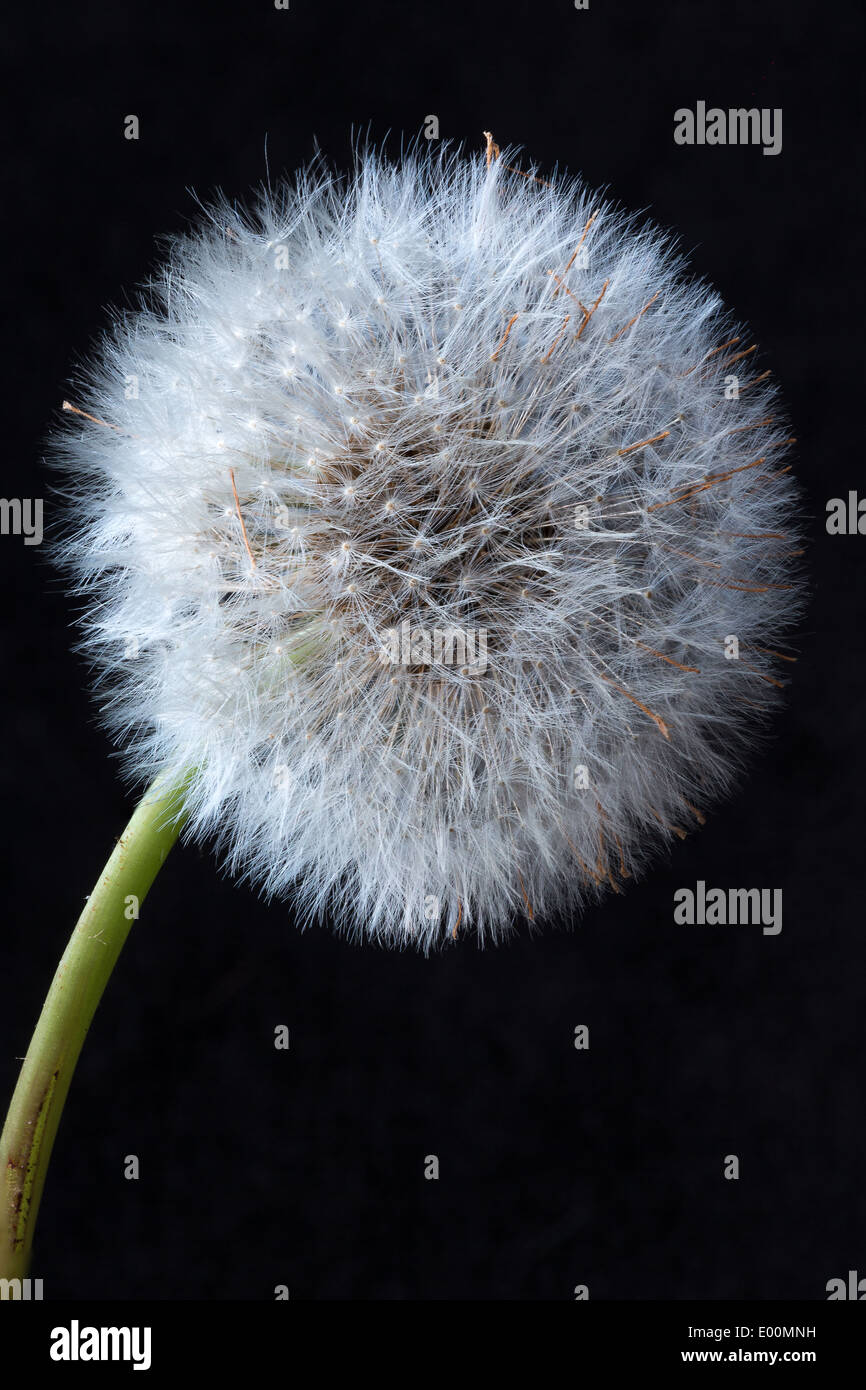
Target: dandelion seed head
[[430, 415]]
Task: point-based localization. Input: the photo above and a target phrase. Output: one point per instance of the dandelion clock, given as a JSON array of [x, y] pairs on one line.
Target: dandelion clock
[[435, 545]]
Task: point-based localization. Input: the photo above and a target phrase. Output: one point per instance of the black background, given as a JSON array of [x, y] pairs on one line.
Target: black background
[[558, 1167]]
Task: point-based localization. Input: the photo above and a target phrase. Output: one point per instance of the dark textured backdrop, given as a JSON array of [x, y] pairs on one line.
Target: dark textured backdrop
[[558, 1167]]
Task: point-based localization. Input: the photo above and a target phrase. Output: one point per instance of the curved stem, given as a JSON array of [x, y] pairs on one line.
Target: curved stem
[[77, 987]]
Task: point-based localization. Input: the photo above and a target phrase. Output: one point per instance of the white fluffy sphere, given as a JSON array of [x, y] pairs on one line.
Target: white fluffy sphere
[[443, 526]]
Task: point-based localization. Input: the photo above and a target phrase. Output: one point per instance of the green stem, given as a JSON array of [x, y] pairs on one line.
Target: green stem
[[83, 973]]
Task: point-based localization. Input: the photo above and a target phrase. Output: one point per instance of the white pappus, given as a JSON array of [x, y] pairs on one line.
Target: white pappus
[[378, 425]]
